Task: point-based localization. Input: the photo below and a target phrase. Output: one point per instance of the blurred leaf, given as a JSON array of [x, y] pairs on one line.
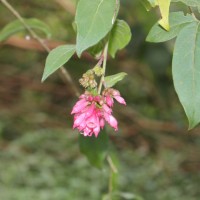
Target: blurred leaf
[[186, 70], [189, 2], [17, 26], [95, 149], [177, 21], [56, 58], [113, 79], [129, 196], [120, 36], [94, 21]]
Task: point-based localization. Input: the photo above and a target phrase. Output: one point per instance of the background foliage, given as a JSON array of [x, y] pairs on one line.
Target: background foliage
[[39, 155]]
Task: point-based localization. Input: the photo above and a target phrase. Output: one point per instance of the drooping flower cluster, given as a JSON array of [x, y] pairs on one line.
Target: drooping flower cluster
[[92, 111]]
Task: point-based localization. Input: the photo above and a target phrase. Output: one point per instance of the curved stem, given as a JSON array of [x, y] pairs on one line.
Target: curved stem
[[65, 74], [105, 55]]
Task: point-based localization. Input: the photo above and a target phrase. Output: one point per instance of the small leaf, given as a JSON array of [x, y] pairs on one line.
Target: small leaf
[[94, 148], [94, 20], [120, 36], [177, 21], [186, 71], [16, 26], [56, 58], [113, 79]]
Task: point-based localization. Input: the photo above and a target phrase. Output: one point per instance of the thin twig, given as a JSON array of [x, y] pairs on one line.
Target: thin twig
[[112, 165], [64, 72], [105, 55], [192, 13], [113, 170]]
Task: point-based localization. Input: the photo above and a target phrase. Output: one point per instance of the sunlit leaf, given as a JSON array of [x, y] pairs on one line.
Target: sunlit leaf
[[164, 9]]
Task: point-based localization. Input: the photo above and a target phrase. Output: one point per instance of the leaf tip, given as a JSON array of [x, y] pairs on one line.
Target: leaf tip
[[43, 79], [164, 24], [192, 124]]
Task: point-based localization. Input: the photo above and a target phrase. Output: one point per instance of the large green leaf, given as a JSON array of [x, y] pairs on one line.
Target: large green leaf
[[189, 2], [94, 19], [120, 36], [186, 71], [110, 81], [177, 21], [16, 26], [56, 58], [94, 148]]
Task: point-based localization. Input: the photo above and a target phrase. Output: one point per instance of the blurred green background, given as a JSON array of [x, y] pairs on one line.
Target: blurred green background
[[39, 154]]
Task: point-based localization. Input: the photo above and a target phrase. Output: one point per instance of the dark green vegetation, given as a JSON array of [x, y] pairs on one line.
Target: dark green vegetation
[[39, 153]]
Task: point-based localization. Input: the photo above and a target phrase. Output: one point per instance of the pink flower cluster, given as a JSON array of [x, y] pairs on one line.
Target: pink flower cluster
[[91, 112]]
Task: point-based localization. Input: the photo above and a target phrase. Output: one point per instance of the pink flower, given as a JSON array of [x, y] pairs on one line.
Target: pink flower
[[87, 115], [91, 112]]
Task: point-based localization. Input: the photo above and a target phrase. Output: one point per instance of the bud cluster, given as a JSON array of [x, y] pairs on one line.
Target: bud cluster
[[88, 78]]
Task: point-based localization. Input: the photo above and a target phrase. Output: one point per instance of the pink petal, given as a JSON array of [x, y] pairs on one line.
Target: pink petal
[[112, 121], [107, 109], [79, 106], [102, 122], [96, 130], [109, 101], [78, 120], [115, 92], [120, 99]]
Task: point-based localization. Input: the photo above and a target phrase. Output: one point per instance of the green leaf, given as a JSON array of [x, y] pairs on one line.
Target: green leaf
[[95, 149], [177, 21], [113, 79], [120, 36], [94, 20], [56, 58], [186, 71], [192, 3], [16, 26]]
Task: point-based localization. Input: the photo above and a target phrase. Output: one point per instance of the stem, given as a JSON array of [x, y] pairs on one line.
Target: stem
[[105, 55], [63, 71], [192, 13], [112, 165], [113, 170]]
